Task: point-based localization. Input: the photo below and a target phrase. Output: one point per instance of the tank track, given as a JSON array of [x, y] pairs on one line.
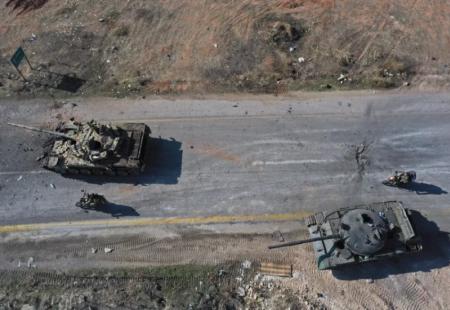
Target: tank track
[[310, 220]]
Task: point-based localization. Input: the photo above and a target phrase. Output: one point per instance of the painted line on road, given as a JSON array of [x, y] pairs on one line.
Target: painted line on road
[[25, 172], [216, 219], [226, 117], [198, 118], [290, 162]]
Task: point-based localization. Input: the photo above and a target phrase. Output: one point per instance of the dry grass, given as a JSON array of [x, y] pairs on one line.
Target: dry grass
[[215, 46]]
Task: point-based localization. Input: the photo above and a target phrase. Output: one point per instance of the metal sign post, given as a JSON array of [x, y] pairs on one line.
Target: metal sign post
[[17, 58]]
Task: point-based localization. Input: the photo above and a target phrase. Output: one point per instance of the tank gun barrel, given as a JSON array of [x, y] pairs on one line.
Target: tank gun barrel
[[297, 242], [55, 133]]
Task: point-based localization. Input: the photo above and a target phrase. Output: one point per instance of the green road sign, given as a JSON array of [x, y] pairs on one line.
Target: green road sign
[[17, 58]]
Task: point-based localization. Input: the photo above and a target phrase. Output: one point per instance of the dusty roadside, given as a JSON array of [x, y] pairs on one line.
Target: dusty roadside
[[229, 286], [203, 271]]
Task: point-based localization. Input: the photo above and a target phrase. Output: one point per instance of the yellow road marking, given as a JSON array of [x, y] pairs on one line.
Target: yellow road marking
[[158, 221]]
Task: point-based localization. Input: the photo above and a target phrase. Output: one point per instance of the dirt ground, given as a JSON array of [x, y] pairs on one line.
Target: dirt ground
[[161, 46], [179, 287], [212, 272]]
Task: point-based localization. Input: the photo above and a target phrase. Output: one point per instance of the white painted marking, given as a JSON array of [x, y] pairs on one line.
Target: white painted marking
[[24, 172], [290, 162], [274, 141]]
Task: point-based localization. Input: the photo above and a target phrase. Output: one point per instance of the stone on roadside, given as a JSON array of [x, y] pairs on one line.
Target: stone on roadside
[[241, 291]]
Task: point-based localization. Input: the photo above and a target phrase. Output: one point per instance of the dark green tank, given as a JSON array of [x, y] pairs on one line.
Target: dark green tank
[[360, 234]]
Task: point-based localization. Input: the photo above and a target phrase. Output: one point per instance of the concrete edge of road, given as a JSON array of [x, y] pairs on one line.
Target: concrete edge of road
[[105, 225]]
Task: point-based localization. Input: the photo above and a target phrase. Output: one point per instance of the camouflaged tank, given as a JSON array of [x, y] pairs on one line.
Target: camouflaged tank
[[360, 234], [94, 148]]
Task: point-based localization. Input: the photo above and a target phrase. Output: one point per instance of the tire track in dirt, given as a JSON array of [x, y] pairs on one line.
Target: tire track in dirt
[[417, 296], [183, 250], [356, 293]]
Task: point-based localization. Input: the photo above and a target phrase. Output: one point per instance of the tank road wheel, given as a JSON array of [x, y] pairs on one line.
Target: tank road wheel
[[110, 172], [60, 170], [134, 172], [98, 172], [122, 173], [86, 171]]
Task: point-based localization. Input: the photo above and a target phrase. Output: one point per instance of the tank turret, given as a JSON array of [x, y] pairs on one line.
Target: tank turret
[[359, 234]]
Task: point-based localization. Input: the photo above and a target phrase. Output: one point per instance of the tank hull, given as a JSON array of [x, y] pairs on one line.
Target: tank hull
[[131, 161]]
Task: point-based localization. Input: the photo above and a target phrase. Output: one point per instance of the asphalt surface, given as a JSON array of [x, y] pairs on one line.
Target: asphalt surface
[[239, 157]]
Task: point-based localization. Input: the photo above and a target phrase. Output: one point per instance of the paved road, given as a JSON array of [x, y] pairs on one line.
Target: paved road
[[240, 157]]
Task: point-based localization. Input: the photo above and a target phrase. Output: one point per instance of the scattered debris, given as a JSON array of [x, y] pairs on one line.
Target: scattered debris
[[400, 178], [246, 264], [241, 291], [278, 236], [387, 73], [286, 33], [93, 250], [91, 201], [108, 250], [40, 157], [301, 59], [215, 45], [273, 269], [19, 178], [52, 186], [342, 78], [30, 262], [292, 49], [27, 307], [369, 281]]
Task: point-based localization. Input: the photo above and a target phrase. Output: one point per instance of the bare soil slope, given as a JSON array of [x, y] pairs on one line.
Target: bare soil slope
[[164, 46], [28, 274]]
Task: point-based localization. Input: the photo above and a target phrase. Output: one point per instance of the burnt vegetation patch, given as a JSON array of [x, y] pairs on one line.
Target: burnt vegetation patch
[[24, 6], [258, 63]]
